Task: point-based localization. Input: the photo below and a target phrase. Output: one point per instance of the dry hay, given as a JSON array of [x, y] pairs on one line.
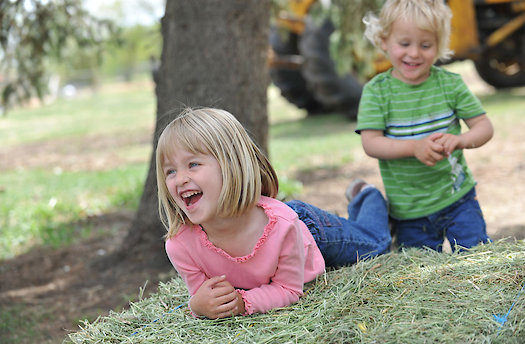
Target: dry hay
[[410, 296]]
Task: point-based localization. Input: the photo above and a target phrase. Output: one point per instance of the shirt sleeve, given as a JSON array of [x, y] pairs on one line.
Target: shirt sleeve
[[286, 286], [467, 104], [186, 267], [370, 115]]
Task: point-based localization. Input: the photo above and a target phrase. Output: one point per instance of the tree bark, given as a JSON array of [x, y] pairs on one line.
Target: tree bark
[[214, 55]]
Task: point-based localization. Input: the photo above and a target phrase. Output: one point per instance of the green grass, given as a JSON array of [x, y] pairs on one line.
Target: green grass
[[105, 112], [13, 319], [312, 142], [42, 205]]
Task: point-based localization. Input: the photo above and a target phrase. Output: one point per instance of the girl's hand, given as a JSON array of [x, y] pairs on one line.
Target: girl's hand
[[216, 298]]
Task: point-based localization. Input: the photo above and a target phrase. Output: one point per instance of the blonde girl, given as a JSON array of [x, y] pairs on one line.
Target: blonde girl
[[237, 248]]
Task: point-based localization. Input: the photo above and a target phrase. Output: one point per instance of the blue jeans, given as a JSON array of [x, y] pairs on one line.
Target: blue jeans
[[462, 222], [364, 234]]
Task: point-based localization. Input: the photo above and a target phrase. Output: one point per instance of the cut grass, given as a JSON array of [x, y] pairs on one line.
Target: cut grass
[[412, 296]]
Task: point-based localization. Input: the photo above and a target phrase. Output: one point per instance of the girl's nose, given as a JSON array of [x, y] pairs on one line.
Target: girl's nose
[[181, 178]]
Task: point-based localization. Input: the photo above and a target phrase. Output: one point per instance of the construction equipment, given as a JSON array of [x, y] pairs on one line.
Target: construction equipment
[[491, 33]]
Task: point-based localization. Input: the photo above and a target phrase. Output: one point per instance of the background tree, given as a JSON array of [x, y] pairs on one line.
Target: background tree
[[214, 54]]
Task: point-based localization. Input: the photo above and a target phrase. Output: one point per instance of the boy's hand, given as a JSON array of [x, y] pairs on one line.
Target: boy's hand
[[450, 143], [429, 150], [217, 298]]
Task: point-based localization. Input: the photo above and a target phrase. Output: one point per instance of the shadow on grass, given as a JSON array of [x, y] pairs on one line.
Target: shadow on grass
[[313, 126]]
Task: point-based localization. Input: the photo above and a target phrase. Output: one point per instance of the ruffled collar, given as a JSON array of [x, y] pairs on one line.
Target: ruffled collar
[[272, 219]]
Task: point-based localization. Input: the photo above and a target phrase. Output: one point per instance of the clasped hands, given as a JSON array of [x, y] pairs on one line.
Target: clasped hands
[[217, 298], [437, 146]]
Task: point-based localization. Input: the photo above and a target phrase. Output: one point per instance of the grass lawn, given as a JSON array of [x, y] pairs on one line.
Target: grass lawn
[[88, 155]]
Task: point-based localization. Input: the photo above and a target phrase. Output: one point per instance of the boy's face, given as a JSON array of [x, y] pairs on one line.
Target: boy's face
[[411, 51]]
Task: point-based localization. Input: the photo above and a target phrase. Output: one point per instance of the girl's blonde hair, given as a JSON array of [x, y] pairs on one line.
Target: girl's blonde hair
[[246, 172], [429, 15]]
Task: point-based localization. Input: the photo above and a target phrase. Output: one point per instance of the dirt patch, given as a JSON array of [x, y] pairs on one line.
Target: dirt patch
[[56, 288], [94, 153]]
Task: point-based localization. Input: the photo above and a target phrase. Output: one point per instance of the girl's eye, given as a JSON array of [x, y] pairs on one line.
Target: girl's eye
[[193, 164], [169, 172]]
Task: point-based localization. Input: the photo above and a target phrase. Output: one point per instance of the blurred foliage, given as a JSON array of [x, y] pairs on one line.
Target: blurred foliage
[[42, 38], [351, 52], [136, 45], [36, 34]]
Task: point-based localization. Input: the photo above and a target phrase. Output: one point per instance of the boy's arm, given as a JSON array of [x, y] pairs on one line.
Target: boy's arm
[[480, 132], [427, 150]]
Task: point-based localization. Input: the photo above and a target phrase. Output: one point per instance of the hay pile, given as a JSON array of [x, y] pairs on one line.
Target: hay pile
[[412, 296]]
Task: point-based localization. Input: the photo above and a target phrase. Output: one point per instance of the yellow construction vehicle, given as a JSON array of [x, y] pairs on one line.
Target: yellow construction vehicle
[[491, 33]]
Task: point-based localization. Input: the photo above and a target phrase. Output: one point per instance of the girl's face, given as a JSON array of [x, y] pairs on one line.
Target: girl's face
[[195, 182], [411, 50]]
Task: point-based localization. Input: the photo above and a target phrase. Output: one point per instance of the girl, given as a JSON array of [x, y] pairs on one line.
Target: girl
[[237, 248]]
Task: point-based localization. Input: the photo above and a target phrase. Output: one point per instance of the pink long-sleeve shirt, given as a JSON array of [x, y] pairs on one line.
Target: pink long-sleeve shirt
[[272, 275]]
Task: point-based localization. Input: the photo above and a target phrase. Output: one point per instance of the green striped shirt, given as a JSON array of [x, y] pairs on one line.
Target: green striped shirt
[[403, 111]]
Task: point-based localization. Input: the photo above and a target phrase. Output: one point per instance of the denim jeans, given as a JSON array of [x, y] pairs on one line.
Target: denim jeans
[[462, 223], [364, 234]]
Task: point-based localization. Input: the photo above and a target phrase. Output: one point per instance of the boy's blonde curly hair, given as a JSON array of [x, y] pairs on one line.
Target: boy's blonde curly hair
[[429, 15]]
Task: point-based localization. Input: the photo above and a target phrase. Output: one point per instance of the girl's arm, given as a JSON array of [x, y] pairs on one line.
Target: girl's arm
[[427, 150], [286, 285], [480, 132]]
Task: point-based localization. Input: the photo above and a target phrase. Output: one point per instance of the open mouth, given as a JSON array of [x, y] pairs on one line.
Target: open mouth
[[191, 197]]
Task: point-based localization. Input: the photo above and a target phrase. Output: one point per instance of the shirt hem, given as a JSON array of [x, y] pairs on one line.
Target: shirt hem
[[434, 210]]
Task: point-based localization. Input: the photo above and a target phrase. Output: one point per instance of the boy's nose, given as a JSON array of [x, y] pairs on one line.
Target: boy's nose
[[413, 51]]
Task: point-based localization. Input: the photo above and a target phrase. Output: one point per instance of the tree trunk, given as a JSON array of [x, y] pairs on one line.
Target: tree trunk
[[214, 54]]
